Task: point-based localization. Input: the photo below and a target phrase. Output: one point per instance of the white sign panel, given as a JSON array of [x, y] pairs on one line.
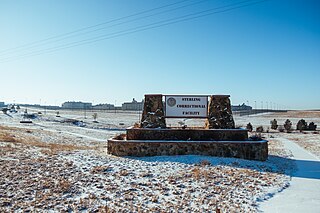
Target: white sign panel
[[186, 106]]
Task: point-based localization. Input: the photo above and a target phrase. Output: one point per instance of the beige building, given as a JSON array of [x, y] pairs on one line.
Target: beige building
[[133, 106], [76, 105]]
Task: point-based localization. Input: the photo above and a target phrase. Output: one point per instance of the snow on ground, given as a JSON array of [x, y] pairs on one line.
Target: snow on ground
[[59, 166], [303, 195]]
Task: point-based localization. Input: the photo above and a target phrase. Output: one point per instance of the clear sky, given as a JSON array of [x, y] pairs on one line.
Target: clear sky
[[265, 52]]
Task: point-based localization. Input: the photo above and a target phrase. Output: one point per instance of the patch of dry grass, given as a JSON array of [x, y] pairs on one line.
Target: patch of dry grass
[[99, 169], [196, 173], [15, 135], [7, 137], [298, 114]]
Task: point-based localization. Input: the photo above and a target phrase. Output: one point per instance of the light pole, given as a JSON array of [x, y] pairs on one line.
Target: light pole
[[255, 107]]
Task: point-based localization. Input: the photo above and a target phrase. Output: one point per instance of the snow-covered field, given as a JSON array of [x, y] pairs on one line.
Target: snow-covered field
[[55, 165]]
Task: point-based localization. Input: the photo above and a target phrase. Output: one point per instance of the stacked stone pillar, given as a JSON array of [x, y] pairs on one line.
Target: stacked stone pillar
[[153, 112], [219, 113]]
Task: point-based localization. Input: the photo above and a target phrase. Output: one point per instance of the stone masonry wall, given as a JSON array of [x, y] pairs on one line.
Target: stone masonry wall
[[187, 134], [153, 112], [251, 150], [219, 113]]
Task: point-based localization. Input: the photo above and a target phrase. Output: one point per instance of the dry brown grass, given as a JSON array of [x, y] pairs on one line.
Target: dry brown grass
[[299, 114], [124, 172], [64, 185], [120, 137], [200, 173], [8, 128], [99, 169], [22, 136], [205, 163], [196, 173], [7, 137]]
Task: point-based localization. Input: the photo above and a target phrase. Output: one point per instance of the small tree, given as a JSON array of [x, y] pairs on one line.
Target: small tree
[[95, 116], [302, 125], [312, 126], [274, 124], [288, 125]]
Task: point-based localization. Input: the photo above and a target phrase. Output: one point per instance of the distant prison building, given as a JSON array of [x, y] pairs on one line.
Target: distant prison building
[[242, 107], [76, 105], [134, 105], [104, 106]]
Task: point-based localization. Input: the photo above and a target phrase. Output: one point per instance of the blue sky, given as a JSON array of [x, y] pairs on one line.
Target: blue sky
[[266, 52]]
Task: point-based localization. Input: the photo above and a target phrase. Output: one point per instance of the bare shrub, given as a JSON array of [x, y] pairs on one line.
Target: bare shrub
[[120, 137], [205, 163], [259, 129], [288, 125], [312, 126], [249, 127], [124, 172], [302, 125], [274, 124], [281, 128], [205, 174], [95, 116], [196, 173], [99, 169], [256, 137]]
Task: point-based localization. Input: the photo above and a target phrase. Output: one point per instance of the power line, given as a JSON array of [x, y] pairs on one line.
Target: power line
[[92, 26], [133, 30], [79, 32], [136, 29]]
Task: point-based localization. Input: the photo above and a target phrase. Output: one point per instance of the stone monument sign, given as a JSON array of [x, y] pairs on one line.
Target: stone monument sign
[[218, 137]]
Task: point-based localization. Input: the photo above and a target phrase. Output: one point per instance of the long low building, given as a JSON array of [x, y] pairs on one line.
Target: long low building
[[104, 106], [76, 105], [134, 105], [242, 107]]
